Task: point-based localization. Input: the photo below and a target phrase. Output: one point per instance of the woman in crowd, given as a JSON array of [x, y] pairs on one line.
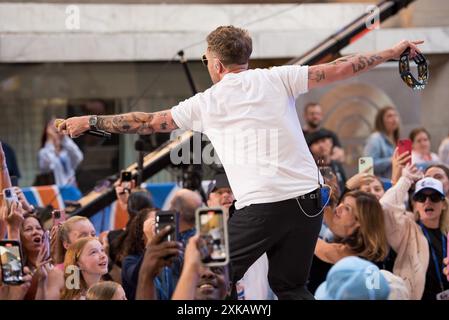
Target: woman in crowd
[[106, 290], [358, 227], [141, 232], [421, 154], [443, 151], [418, 239], [59, 155], [86, 258], [381, 143]]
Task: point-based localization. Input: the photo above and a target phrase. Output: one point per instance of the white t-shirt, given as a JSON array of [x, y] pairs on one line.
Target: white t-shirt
[[250, 117]]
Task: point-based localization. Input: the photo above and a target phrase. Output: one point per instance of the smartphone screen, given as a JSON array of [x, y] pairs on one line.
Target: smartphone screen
[[405, 145], [11, 262], [213, 242], [165, 218], [366, 165]]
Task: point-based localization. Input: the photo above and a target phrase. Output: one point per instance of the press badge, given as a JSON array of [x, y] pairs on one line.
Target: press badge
[[443, 295]]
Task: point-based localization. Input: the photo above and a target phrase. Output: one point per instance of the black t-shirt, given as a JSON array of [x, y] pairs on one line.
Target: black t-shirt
[[335, 140], [432, 287]]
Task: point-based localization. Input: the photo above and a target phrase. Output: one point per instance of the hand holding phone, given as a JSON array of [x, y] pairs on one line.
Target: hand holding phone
[[58, 217], [126, 178], [213, 240], [11, 262], [168, 218], [366, 165], [10, 197], [405, 145]]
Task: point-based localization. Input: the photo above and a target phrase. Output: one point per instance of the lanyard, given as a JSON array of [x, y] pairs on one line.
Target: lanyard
[[434, 255]]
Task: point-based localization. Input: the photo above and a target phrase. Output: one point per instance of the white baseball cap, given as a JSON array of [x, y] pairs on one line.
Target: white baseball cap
[[429, 183]]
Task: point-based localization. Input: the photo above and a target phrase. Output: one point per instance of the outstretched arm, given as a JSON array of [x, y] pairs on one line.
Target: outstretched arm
[[133, 122], [355, 64]]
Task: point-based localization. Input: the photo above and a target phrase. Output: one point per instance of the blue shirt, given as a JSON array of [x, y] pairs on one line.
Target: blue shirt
[[381, 150]]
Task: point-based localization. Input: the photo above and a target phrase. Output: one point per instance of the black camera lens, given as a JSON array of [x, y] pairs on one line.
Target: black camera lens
[[8, 193]]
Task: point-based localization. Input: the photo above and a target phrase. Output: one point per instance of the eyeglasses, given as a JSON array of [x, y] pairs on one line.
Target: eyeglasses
[[434, 197], [204, 60]]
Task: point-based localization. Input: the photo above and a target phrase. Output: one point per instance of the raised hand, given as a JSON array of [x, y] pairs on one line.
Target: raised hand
[[399, 48]]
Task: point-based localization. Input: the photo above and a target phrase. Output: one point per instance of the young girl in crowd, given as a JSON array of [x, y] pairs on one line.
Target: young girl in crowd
[[85, 261], [66, 234]]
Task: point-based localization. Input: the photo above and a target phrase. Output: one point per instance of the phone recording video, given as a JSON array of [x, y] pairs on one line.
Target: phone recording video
[[366, 165], [213, 242], [11, 262], [168, 218]]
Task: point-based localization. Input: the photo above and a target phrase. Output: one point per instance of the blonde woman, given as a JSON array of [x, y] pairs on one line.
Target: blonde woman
[[106, 290], [85, 263]]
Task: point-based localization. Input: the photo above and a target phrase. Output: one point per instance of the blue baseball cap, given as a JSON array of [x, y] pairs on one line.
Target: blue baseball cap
[[353, 278]]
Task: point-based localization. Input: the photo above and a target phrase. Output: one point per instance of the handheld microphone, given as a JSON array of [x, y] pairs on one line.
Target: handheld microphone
[[99, 133]]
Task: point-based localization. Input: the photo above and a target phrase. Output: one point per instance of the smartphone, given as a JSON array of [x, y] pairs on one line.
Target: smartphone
[[165, 218], [126, 178], [405, 145], [58, 217], [10, 196], [11, 262], [366, 165], [213, 242]]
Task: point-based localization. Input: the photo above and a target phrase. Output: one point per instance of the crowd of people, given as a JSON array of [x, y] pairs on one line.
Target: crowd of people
[[382, 232]]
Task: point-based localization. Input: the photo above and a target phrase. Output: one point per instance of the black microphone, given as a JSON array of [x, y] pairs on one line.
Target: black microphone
[[99, 133]]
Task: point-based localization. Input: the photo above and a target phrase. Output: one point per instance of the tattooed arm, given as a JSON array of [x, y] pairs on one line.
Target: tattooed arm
[[133, 122], [353, 65]]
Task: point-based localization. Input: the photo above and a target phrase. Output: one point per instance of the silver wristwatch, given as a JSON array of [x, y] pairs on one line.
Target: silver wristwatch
[[93, 122]]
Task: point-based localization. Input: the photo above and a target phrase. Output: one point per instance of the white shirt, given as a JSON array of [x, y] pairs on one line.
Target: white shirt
[[250, 117], [62, 165]]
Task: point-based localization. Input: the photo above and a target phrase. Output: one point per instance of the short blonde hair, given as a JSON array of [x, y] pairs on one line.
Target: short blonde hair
[[103, 290]]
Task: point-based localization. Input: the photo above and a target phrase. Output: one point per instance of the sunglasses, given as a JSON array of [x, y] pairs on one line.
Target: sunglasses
[[204, 60], [434, 197]]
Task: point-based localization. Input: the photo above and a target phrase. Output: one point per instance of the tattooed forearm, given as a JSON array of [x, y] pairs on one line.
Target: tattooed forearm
[[361, 62], [137, 122], [344, 67]]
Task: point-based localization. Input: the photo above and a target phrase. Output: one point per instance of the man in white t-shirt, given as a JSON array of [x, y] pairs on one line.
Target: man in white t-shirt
[[250, 117]]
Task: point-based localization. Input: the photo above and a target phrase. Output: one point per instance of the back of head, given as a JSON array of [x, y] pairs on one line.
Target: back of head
[[353, 278], [139, 199], [186, 202], [104, 290], [232, 45]]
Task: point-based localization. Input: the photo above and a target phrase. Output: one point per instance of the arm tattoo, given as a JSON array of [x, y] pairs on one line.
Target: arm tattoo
[[317, 75], [364, 61], [134, 122], [137, 122]]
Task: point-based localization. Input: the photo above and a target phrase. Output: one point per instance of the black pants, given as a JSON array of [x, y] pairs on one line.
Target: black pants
[[288, 237]]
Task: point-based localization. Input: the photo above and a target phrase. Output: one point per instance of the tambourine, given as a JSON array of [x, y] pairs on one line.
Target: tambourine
[[407, 76]]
